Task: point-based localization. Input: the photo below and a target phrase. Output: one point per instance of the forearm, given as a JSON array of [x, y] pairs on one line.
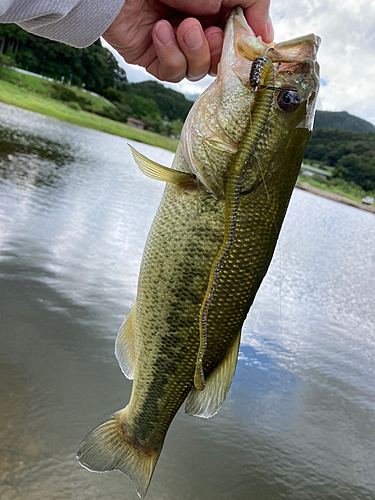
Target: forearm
[[75, 22]]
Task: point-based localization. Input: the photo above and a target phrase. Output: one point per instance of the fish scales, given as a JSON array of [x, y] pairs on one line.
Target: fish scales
[[210, 244], [177, 278]]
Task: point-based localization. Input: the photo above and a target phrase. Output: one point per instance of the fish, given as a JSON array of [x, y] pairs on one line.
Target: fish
[[210, 244]]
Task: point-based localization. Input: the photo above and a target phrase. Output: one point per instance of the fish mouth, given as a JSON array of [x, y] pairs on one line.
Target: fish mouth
[[219, 118], [242, 47], [296, 56], [296, 48]]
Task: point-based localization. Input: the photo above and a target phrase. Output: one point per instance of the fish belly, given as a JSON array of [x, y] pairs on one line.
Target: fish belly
[[184, 238], [181, 247]]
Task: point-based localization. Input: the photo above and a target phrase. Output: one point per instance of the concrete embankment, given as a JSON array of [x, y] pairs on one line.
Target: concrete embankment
[[334, 197]]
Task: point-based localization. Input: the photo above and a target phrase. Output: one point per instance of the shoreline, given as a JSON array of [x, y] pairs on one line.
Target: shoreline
[[12, 95], [37, 103], [305, 186]]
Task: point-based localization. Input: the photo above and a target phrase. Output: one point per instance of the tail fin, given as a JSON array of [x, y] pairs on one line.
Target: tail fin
[[108, 447]]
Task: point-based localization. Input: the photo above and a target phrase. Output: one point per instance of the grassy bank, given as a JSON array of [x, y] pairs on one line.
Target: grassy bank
[[305, 186], [29, 92], [45, 87], [33, 93]]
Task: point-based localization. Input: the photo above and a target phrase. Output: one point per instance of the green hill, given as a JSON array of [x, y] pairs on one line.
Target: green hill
[[342, 120], [172, 105], [351, 154]]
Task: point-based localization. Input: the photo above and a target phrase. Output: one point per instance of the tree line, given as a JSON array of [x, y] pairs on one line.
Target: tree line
[[351, 154], [96, 69]]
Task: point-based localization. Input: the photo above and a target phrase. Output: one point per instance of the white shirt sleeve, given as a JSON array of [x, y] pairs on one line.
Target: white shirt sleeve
[[75, 22]]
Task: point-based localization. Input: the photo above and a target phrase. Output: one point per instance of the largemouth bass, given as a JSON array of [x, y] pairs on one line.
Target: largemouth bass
[[210, 244]]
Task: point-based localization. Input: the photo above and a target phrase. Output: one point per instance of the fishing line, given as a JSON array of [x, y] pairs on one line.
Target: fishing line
[[279, 244], [280, 291]]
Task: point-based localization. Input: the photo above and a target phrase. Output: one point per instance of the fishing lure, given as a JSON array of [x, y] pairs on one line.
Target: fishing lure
[[262, 74], [287, 99]]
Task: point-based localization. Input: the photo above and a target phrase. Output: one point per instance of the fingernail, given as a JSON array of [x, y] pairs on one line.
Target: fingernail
[[193, 38], [269, 30], [164, 33], [216, 52], [215, 42]]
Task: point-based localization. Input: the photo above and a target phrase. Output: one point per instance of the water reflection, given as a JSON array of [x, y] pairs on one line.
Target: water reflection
[[74, 215], [29, 159]]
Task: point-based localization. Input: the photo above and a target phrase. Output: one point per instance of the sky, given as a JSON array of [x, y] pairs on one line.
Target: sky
[[346, 55]]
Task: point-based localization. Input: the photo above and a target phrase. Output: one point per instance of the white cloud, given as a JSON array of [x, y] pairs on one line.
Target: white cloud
[[346, 56], [347, 29]]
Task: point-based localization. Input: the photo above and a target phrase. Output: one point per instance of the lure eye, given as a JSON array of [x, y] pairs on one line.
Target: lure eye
[[288, 100]]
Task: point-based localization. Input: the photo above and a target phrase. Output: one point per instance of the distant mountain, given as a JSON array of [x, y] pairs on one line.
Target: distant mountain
[[342, 120], [192, 97]]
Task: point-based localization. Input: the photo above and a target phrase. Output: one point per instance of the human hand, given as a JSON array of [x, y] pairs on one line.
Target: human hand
[[161, 36]]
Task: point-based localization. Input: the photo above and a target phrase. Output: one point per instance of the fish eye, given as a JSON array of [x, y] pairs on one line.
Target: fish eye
[[288, 100]]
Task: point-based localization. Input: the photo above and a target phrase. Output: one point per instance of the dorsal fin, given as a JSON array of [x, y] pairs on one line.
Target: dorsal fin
[[208, 402], [159, 172], [124, 348]]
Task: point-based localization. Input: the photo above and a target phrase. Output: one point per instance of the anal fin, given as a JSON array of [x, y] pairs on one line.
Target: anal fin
[[124, 347], [207, 403]]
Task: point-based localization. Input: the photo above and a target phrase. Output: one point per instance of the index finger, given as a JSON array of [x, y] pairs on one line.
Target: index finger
[[257, 15]]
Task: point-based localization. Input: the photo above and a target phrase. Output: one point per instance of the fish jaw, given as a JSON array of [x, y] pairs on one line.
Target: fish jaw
[[218, 119], [237, 29], [221, 116]]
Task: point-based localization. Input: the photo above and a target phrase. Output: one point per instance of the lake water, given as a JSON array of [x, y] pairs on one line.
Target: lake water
[[299, 421]]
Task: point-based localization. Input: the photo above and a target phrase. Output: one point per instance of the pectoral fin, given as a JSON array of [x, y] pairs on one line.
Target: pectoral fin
[[207, 403], [156, 171], [124, 348]]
